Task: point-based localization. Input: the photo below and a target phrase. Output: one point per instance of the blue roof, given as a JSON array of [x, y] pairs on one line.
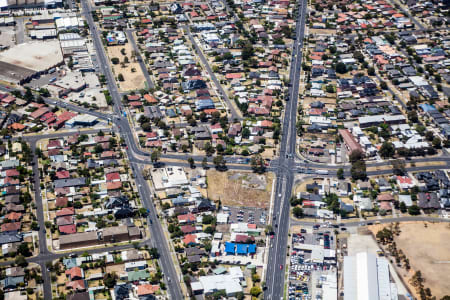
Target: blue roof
[[252, 248], [427, 107], [171, 113], [204, 104], [70, 262], [179, 200], [242, 248], [230, 248]]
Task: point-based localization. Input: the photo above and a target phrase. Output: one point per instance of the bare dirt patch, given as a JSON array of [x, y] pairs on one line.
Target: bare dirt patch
[[322, 31], [133, 77], [427, 246], [240, 188], [331, 102]]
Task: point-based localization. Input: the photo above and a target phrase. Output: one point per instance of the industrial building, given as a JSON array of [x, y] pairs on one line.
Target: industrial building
[[350, 141], [18, 4], [24, 61], [82, 120], [366, 277]]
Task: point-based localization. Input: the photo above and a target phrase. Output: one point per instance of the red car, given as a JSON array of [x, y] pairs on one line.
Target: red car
[[281, 267]]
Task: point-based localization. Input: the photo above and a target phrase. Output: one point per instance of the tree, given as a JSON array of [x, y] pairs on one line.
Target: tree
[[209, 149], [209, 230], [387, 149], [24, 250], [154, 254], [403, 207], [110, 280], [383, 85], [208, 219], [34, 225], [219, 162], [191, 162], [414, 210], [371, 71], [436, 143], [147, 127], [340, 173], [44, 92], [295, 201], [412, 116], [21, 261], [385, 235], [245, 133], [115, 60], [358, 170], [255, 291], [356, 155], [28, 94], [120, 77], [298, 212], [341, 68], [155, 156], [257, 164]]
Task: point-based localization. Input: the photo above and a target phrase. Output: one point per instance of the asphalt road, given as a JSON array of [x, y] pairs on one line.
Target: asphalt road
[[198, 51], [382, 221], [285, 177], [47, 288], [167, 265], [131, 39], [285, 168]]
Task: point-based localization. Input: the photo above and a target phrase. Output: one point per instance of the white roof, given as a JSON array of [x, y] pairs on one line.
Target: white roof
[[222, 218], [384, 286], [418, 80], [196, 286], [406, 199], [366, 277], [214, 283]]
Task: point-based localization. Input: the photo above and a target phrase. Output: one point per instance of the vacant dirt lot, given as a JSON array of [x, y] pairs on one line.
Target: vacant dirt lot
[[329, 102], [133, 80], [322, 31], [427, 246], [240, 188], [428, 250]]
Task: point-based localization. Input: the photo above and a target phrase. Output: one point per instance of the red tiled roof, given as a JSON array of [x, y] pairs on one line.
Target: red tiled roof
[[190, 239], [187, 229], [385, 197], [114, 185], [112, 176], [13, 216], [61, 201], [17, 126], [149, 98], [15, 226], [74, 272], [62, 174], [147, 289], [135, 103], [233, 75], [68, 229], [66, 211], [12, 173], [133, 97], [78, 285], [186, 218]]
